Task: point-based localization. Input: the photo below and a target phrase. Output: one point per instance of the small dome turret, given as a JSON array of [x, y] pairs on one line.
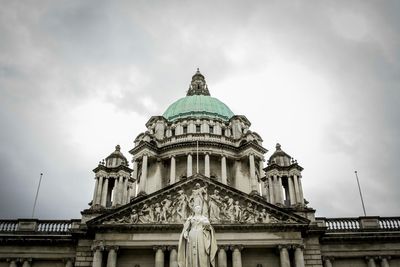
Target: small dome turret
[[280, 157], [116, 158]]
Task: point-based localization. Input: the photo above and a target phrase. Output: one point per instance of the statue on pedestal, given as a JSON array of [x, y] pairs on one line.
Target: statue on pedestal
[[197, 243]]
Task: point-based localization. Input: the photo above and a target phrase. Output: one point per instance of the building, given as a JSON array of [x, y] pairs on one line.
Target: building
[[199, 148]]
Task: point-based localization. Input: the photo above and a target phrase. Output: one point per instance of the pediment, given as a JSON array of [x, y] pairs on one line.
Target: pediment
[[222, 204]]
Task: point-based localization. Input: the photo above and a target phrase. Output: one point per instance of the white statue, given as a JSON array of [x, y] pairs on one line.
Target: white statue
[[197, 243]]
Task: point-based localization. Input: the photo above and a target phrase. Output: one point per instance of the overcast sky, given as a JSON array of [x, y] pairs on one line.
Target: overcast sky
[[320, 77]]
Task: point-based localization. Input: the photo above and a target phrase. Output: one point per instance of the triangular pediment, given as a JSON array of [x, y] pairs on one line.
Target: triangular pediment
[[221, 203]]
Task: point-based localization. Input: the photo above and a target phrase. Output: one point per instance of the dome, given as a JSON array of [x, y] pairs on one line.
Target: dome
[[116, 158], [198, 106], [198, 103]]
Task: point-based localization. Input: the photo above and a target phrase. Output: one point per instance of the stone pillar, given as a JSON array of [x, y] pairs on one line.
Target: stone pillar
[[292, 195], [173, 257], [157, 174], [105, 192], [112, 257], [143, 178], [97, 256], [296, 188], [189, 165], [125, 191], [96, 186], [237, 256], [284, 256], [27, 263], [120, 189], [207, 165], [69, 263], [13, 263], [385, 262], [224, 178], [280, 190], [172, 175], [370, 262], [271, 190], [222, 260], [253, 178], [301, 191], [327, 262], [298, 257], [99, 190], [277, 189], [159, 258]]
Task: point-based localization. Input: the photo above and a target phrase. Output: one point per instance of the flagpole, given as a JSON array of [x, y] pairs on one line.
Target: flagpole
[[37, 193], [361, 196]]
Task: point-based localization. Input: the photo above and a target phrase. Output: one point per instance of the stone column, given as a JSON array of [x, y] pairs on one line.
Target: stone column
[[327, 262], [253, 178], [97, 256], [125, 191], [237, 256], [96, 186], [13, 263], [173, 257], [27, 263], [69, 263], [143, 178], [207, 165], [284, 256], [99, 190], [135, 169], [271, 190], [172, 175], [298, 257], [370, 262], [224, 178], [120, 189], [105, 192], [277, 189], [385, 262], [296, 188], [112, 257], [280, 190], [301, 191], [222, 260], [189, 165], [292, 195], [159, 258], [157, 174]]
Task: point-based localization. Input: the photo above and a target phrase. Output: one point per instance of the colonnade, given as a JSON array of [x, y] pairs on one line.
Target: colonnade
[[190, 157], [222, 257], [382, 261], [27, 262], [121, 191], [293, 188]]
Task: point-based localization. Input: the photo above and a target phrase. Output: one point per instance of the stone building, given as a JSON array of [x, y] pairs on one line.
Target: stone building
[[199, 149]]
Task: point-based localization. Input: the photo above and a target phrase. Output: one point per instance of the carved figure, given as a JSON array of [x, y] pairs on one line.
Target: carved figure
[[264, 216], [157, 212], [230, 210], [197, 243], [215, 203], [248, 214], [199, 197], [166, 209], [134, 216], [146, 214], [182, 205], [237, 210]]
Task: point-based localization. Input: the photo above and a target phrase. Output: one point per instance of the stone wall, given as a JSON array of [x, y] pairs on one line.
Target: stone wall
[[312, 252], [84, 254]]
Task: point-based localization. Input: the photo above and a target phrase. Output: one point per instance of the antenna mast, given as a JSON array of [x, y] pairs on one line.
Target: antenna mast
[[37, 193], [361, 196]]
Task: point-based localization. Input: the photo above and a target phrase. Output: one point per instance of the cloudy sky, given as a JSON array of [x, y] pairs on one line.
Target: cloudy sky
[[319, 77]]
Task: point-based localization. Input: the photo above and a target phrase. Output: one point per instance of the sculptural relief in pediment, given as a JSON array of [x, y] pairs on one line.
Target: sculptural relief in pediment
[[174, 206]]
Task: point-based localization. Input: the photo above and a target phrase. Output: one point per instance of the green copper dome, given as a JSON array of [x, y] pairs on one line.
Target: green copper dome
[[198, 106]]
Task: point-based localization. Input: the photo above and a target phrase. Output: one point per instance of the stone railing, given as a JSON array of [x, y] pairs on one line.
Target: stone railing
[[37, 226], [205, 137], [360, 223]]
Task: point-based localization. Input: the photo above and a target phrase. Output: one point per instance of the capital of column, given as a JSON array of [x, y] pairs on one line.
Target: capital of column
[[98, 246], [236, 247], [65, 260], [170, 248], [113, 247], [285, 246], [224, 247], [298, 246], [162, 248]]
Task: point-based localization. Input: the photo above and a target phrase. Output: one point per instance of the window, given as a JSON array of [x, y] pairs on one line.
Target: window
[[198, 130], [223, 131], [211, 129], [184, 129], [173, 132]]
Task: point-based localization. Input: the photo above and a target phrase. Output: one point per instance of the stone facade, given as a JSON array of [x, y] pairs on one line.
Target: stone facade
[[200, 149]]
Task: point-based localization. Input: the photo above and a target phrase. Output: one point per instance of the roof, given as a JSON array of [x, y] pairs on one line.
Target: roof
[[198, 106]]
